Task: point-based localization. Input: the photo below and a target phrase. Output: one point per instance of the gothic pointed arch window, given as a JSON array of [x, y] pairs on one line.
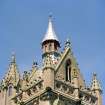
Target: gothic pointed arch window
[[10, 90], [68, 70]]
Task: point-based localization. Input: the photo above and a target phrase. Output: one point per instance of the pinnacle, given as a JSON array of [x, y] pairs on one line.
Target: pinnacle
[[12, 75], [13, 58], [95, 83]]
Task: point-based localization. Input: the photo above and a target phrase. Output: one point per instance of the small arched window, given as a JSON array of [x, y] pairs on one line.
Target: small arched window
[[10, 91], [55, 46], [50, 47], [68, 70], [45, 48]]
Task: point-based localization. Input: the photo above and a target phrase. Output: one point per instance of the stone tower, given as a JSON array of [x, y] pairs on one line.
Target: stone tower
[[57, 82], [50, 47]]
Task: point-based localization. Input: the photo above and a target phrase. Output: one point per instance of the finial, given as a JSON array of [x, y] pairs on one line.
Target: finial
[[68, 43], [13, 58], [34, 64], [94, 75], [50, 15], [50, 18]]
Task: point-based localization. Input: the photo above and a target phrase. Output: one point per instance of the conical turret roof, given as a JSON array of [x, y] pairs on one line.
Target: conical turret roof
[[50, 33]]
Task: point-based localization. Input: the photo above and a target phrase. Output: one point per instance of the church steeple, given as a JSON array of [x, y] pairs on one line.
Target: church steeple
[[50, 41]]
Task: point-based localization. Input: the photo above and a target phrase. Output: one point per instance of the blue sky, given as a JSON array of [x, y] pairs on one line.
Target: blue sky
[[23, 24]]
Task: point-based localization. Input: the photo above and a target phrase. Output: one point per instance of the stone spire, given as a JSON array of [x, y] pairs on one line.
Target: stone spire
[[96, 89], [12, 76], [95, 83], [50, 33]]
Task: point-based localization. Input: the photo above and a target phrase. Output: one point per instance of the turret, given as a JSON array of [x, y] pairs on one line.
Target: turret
[[96, 89], [50, 42], [50, 56]]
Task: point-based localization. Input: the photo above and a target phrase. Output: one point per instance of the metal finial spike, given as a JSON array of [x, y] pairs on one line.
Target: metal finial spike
[[50, 18]]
